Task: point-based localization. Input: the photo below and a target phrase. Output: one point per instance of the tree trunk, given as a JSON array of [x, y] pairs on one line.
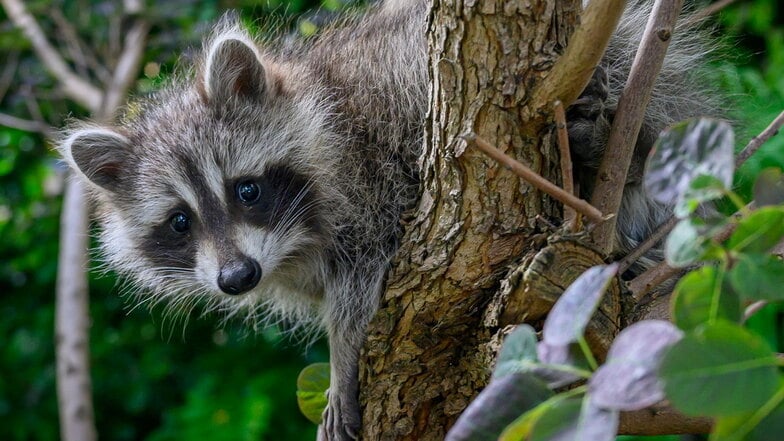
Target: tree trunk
[[432, 345], [72, 321]]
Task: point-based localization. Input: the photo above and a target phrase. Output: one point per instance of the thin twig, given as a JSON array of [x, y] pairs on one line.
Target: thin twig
[[66, 38], [660, 419], [533, 178], [656, 275], [705, 13], [572, 71], [655, 237], [75, 87], [25, 125], [613, 170], [753, 309], [651, 278], [570, 215], [757, 141], [11, 63], [32, 105], [81, 52], [127, 68]]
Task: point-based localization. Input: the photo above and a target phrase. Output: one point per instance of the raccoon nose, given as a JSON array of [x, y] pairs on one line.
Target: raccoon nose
[[239, 276]]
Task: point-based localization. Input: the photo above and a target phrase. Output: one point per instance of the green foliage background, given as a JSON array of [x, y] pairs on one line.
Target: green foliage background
[[157, 380]]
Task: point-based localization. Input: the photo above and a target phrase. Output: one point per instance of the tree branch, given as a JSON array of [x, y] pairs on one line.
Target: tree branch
[[567, 180], [82, 53], [753, 309], [72, 321], [127, 68], [658, 235], [757, 141], [574, 68], [705, 13], [8, 73], [611, 177], [661, 420], [25, 124], [658, 274], [536, 180], [75, 87]]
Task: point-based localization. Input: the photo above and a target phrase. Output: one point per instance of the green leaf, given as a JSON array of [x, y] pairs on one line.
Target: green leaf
[[518, 352], [764, 424], [499, 404], [574, 419], [571, 313], [759, 232], [702, 189], [699, 298], [561, 365], [719, 370], [521, 428], [695, 147], [556, 419], [758, 277], [687, 243], [312, 385], [769, 187]]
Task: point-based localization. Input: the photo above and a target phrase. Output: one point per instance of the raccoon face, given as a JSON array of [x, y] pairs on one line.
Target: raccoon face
[[210, 191]]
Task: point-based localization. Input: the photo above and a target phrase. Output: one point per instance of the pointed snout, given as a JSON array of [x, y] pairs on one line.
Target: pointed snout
[[239, 276]]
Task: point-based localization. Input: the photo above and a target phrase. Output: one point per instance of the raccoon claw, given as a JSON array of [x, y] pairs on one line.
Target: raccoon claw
[[587, 120], [340, 421]]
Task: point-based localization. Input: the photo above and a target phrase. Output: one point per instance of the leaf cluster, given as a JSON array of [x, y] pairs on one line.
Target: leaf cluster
[[721, 369], [705, 363]]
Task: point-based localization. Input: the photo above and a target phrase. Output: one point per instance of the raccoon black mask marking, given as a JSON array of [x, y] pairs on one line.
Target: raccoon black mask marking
[[270, 182]]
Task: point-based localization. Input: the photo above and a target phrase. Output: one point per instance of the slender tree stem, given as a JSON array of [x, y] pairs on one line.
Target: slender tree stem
[[611, 177], [77, 89], [757, 141], [535, 179], [567, 180]]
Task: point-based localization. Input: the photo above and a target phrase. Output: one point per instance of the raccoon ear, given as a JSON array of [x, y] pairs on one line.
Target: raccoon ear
[[233, 70], [99, 154]]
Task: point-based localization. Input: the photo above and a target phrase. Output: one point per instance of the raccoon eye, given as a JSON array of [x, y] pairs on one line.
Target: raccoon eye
[[248, 192], [180, 223]]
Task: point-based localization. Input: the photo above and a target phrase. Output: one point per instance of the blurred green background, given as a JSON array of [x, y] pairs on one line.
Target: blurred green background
[[156, 380]]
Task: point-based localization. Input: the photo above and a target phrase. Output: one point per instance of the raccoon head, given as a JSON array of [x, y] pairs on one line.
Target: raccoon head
[[215, 188]]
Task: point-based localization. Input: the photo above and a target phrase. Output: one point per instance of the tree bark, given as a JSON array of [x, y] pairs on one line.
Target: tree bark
[[431, 346], [72, 322]]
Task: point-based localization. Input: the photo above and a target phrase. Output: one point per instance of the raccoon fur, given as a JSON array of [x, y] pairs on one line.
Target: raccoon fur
[[268, 182]]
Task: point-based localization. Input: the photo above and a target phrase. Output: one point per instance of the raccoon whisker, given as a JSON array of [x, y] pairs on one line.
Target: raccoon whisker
[[293, 203], [289, 214], [292, 217]]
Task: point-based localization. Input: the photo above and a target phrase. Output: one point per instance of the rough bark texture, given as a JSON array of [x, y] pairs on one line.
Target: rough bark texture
[[431, 346]]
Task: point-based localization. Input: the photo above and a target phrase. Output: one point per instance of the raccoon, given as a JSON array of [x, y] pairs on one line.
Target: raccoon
[[268, 182]]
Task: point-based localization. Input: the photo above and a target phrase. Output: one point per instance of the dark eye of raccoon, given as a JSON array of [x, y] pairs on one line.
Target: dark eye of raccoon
[[180, 223], [248, 192]]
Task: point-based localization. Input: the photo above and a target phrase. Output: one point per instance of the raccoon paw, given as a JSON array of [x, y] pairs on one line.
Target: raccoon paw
[[340, 421], [587, 121]]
